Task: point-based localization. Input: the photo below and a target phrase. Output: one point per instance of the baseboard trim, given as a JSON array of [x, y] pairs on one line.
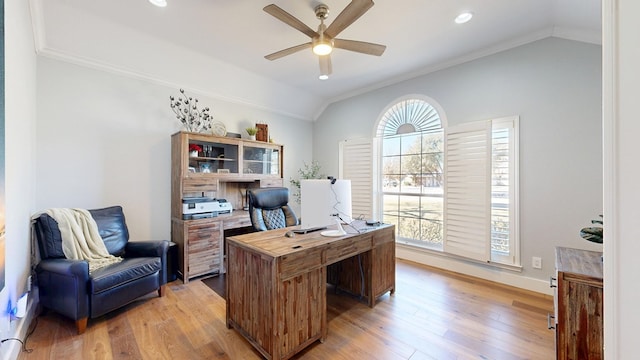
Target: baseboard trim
[[498, 275], [11, 348]]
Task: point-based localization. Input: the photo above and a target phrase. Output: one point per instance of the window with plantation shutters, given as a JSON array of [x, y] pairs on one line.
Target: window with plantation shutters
[[481, 191], [451, 189], [467, 209], [356, 164]]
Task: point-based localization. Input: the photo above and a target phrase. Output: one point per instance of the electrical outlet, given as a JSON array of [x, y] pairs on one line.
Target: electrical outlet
[[536, 262]]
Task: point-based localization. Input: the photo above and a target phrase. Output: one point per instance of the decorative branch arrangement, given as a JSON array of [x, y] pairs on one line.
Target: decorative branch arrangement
[[186, 110]]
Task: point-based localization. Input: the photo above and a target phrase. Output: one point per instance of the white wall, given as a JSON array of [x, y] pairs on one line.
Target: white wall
[[20, 117], [104, 139], [554, 85]]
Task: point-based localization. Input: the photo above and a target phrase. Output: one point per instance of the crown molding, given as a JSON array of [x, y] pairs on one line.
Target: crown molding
[[588, 36], [450, 63], [565, 33], [117, 70], [42, 49], [37, 24]]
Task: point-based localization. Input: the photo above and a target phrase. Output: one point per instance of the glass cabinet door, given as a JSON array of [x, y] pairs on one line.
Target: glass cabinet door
[[261, 161], [211, 157]]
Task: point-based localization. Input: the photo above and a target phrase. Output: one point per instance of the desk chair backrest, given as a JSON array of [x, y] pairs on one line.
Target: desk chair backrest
[[269, 209]]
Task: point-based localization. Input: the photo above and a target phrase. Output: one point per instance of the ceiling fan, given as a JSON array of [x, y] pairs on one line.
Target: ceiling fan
[[324, 40]]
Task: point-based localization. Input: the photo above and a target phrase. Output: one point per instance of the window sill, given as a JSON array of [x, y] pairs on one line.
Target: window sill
[[425, 250]]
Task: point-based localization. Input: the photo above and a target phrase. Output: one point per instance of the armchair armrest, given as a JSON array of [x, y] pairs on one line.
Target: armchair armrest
[[63, 286], [75, 268], [150, 249]]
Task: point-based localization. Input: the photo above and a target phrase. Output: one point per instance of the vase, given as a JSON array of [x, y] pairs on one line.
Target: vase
[[252, 137], [193, 153]]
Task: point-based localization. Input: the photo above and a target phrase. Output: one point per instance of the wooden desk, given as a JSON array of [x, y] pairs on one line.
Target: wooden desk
[[276, 286]]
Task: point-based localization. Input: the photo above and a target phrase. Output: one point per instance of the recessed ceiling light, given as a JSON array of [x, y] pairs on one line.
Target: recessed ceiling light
[[463, 17], [323, 77], [159, 3]]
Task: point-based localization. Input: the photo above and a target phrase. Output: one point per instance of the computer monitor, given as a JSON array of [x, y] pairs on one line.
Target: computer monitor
[[323, 201]]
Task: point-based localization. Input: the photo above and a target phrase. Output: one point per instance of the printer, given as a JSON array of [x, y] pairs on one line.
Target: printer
[[204, 207]]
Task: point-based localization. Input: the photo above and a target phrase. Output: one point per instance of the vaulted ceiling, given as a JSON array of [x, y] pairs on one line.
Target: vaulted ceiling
[[217, 47]]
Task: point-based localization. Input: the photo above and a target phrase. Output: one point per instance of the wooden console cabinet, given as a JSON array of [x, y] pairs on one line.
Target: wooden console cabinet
[[578, 304], [222, 168]]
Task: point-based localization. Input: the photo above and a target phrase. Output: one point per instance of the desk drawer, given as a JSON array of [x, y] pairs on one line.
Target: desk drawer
[[236, 222], [271, 183], [345, 249], [200, 184], [300, 262]]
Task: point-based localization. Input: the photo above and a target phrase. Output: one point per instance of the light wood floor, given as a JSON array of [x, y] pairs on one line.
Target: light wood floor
[[433, 315]]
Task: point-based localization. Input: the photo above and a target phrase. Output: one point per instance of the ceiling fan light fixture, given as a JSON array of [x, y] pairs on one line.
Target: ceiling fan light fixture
[[463, 17], [159, 3], [324, 39], [322, 47]]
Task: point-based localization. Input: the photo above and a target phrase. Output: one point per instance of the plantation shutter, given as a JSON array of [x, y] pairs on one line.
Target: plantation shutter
[[356, 164], [467, 191]]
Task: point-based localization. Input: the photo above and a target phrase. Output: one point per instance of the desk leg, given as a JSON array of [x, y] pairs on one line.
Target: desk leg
[[383, 270], [301, 313], [323, 307]]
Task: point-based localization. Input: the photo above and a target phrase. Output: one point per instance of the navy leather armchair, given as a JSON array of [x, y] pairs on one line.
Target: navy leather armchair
[[269, 209], [66, 286]]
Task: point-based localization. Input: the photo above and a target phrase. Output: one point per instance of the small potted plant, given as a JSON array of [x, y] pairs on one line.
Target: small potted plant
[[252, 131], [593, 234]]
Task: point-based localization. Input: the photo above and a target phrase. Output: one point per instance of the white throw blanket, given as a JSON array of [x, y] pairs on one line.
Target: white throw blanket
[[80, 237]]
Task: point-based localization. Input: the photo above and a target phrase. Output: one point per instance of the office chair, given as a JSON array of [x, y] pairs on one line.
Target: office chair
[[269, 209]]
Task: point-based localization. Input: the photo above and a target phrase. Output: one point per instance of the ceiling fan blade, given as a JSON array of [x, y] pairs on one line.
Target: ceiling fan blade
[[325, 65], [359, 46], [288, 51], [290, 20], [351, 13]]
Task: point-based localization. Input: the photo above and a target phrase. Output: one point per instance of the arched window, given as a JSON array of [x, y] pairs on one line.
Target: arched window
[[412, 141], [408, 116], [458, 195]]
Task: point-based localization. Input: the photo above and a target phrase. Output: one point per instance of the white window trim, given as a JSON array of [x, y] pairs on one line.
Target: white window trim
[[462, 242], [512, 122]]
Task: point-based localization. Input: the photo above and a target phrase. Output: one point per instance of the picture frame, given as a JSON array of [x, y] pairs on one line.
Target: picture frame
[[205, 168], [263, 132]]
